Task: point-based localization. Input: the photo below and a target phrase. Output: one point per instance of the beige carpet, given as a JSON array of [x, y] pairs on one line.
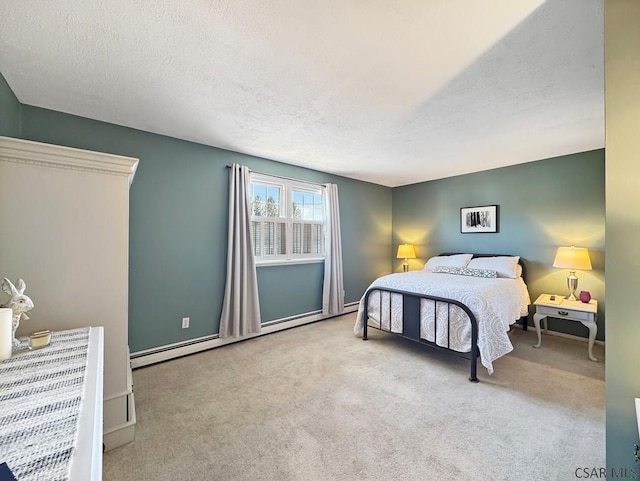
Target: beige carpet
[[316, 403]]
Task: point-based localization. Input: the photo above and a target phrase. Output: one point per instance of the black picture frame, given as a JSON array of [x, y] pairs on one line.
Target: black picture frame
[[479, 220]]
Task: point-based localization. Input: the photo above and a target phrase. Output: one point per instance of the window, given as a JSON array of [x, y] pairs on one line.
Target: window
[[287, 219]]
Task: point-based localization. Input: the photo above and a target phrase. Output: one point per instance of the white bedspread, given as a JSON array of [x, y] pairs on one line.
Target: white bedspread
[[496, 303]]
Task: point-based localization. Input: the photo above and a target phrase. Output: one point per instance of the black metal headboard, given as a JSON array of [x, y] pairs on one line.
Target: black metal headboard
[[524, 268]]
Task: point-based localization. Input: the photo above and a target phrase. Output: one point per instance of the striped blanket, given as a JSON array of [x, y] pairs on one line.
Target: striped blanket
[[41, 395]]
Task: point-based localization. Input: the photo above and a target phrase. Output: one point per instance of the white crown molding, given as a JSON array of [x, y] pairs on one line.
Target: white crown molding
[[49, 155]]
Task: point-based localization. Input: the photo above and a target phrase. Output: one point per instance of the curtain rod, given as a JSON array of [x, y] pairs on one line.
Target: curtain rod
[[284, 178]]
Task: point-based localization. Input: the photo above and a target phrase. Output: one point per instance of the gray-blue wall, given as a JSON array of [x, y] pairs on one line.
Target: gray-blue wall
[[542, 205], [178, 229], [10, 111]]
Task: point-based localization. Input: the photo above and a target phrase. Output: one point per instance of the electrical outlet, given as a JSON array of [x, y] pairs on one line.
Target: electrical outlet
[[185, 323]]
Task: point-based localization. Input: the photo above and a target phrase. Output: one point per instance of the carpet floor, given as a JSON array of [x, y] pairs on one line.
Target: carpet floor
[[317, 403]]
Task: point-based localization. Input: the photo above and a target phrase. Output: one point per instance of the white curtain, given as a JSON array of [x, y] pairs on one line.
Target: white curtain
[[241, 306], [333, 288]]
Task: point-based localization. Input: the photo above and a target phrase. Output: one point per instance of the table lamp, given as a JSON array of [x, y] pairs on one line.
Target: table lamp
[[406, 251], [572, 258]]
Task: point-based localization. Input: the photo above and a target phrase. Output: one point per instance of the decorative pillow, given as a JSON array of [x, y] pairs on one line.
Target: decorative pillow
[[456, 260], [466, 271], [505, 266]]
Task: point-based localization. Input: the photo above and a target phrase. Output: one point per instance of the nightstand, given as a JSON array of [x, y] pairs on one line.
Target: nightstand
[[556, 306]]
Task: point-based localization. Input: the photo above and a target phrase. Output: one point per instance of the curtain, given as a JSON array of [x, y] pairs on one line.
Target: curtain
[[333, 288], [241, 306]]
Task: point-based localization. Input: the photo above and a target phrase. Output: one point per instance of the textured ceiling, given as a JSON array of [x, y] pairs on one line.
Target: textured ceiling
[[391, 92]]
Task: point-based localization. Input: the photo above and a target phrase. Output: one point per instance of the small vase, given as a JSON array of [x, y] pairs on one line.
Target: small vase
[[585, 296]]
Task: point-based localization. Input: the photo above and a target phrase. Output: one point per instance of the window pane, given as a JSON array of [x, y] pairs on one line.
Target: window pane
[[260, 190], [266, 200], [258, 198], [272, 208], [296, 211], [274, 192], [258, 207], [308, 198], [318, 212], [298, 203]]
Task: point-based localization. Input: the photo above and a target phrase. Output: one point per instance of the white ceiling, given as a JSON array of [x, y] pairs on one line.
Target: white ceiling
[[387, 91]]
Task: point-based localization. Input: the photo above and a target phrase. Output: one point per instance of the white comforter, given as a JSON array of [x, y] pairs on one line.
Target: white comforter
[[496, 303]]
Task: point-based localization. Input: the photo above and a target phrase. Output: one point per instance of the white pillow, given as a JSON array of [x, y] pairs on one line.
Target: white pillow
[[505, 266], [456, 260]]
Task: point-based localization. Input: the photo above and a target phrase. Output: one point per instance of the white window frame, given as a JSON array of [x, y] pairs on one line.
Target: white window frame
[[287, 187]]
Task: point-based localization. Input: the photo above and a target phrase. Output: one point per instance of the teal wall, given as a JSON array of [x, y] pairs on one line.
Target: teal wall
[[622, 96], [178, 229], [542, 205], [10, 111]]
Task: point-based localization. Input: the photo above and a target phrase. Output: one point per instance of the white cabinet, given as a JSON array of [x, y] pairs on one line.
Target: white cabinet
[[65, 218]]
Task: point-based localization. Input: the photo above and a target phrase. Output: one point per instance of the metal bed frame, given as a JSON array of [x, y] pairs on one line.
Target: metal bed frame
[[411, 318]]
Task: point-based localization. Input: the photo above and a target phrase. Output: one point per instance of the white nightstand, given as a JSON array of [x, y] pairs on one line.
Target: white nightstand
[[549, 305]]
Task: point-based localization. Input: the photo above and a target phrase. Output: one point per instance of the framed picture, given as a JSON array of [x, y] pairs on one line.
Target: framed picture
[[479, 219]]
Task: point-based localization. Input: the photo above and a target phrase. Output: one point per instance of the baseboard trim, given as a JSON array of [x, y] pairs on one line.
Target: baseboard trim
[[172, 351]]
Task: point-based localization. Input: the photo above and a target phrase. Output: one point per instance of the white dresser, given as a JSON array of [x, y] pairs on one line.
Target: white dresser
[[51, 408]]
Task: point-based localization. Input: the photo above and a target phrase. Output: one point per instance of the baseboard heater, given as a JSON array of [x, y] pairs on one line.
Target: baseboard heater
[[184, 348]]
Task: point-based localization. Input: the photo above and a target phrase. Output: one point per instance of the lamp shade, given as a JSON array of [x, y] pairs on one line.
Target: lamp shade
[[573, 258], [406, 251]]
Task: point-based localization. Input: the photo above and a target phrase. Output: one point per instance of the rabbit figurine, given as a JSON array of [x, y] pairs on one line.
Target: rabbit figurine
[[19, 303]]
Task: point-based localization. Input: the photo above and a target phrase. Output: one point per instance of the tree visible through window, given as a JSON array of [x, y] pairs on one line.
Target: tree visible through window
[[287, 219]]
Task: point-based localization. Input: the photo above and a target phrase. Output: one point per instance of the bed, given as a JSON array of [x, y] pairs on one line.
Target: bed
[[465, 303]]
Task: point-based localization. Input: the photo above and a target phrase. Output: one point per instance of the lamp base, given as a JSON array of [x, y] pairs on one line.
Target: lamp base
[[572, 284], [405, 267]]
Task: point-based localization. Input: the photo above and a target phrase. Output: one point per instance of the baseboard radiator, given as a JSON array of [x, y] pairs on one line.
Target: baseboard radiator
[[179, 349]]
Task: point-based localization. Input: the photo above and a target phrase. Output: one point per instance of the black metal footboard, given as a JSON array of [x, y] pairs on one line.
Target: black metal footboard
[[411, 320]]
